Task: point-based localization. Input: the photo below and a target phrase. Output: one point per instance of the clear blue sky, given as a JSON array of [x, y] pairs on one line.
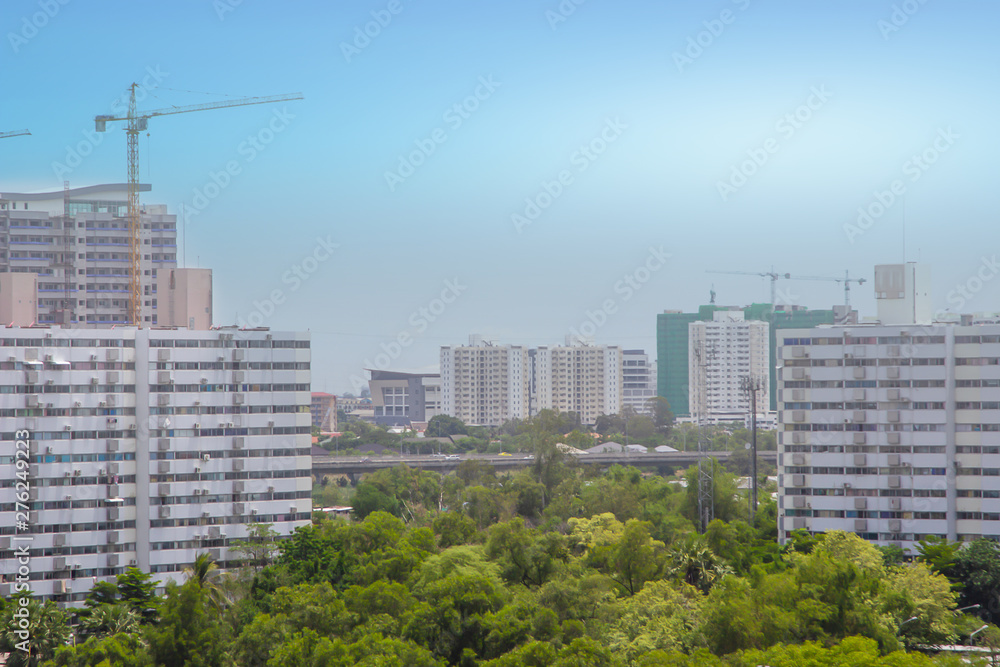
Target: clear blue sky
[[672, 122]]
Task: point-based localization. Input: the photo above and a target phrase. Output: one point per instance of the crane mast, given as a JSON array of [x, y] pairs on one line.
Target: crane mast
[[134, 283], [136, 123]]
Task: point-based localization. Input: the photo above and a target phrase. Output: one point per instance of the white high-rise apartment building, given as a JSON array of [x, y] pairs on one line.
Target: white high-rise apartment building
[[147, 447], [585, 379], [485, 384], [77, 242], [638, 380], [720, 354], [892, 430]]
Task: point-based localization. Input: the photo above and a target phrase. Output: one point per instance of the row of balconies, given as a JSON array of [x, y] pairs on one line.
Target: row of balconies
[[852, 372], [167, 489], [798, 480], [801, 352], [238, 509], [857, 394], [859, 525], [856, 416], [799, 458], [858, 438], [858, 503]]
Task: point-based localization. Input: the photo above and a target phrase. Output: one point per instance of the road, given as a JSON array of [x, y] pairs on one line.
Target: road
[[331, 465]]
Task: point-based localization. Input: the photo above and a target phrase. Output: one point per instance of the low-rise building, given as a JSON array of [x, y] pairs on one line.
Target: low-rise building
[[399, 399]]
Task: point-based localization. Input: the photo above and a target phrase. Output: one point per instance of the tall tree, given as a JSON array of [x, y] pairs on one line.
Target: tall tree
[[189, 632], [46, 628], [441, 426], [976, 570], [259, 547], [204, 571], [663, 416]]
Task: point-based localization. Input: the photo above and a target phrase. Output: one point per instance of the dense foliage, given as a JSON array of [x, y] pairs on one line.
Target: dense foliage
[[557, 565]]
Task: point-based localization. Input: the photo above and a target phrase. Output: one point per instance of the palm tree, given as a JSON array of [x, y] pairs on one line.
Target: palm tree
[[110, 619], [47, 628], [695, 563], [206, 573]]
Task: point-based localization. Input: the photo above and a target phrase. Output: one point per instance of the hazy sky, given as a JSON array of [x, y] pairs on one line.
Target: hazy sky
[[639, 144]]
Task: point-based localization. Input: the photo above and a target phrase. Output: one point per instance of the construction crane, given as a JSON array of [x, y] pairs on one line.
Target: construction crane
[[847, 280], [138, 122], [15, 133], [766, 274]]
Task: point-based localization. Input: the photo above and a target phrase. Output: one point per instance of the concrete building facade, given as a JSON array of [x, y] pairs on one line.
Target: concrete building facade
[[891, 432], [77, 242], [184, 298], [638, 380], [488, 384], [323, 410], [672, 345], [485, 384], [585, 379], [721, 354], [400, 399], [18, 299], [147, 447]]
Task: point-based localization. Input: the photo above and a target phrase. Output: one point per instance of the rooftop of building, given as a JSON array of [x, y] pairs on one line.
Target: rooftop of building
[[75, 193], [398, 375]]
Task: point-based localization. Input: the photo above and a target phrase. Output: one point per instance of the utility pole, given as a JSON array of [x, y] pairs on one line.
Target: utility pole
[[752, 386], [706, 466]]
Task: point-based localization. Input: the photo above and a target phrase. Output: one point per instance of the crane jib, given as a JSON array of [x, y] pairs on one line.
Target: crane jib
[[138, 122]]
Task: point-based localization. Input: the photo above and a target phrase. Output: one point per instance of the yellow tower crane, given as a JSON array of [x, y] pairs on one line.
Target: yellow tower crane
[[138, 122], [15, 133]]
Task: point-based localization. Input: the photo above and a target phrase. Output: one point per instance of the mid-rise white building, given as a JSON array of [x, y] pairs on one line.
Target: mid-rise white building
[[638, 380], [721, 354], [77, 242], [483, 383], [585, 379], [146, 447], [488, 384]]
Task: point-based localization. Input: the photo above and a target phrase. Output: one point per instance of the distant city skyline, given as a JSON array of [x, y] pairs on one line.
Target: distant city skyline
[[457, 169]]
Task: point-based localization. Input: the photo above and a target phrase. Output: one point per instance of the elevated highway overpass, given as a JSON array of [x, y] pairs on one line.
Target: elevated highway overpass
[[357, 465]]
